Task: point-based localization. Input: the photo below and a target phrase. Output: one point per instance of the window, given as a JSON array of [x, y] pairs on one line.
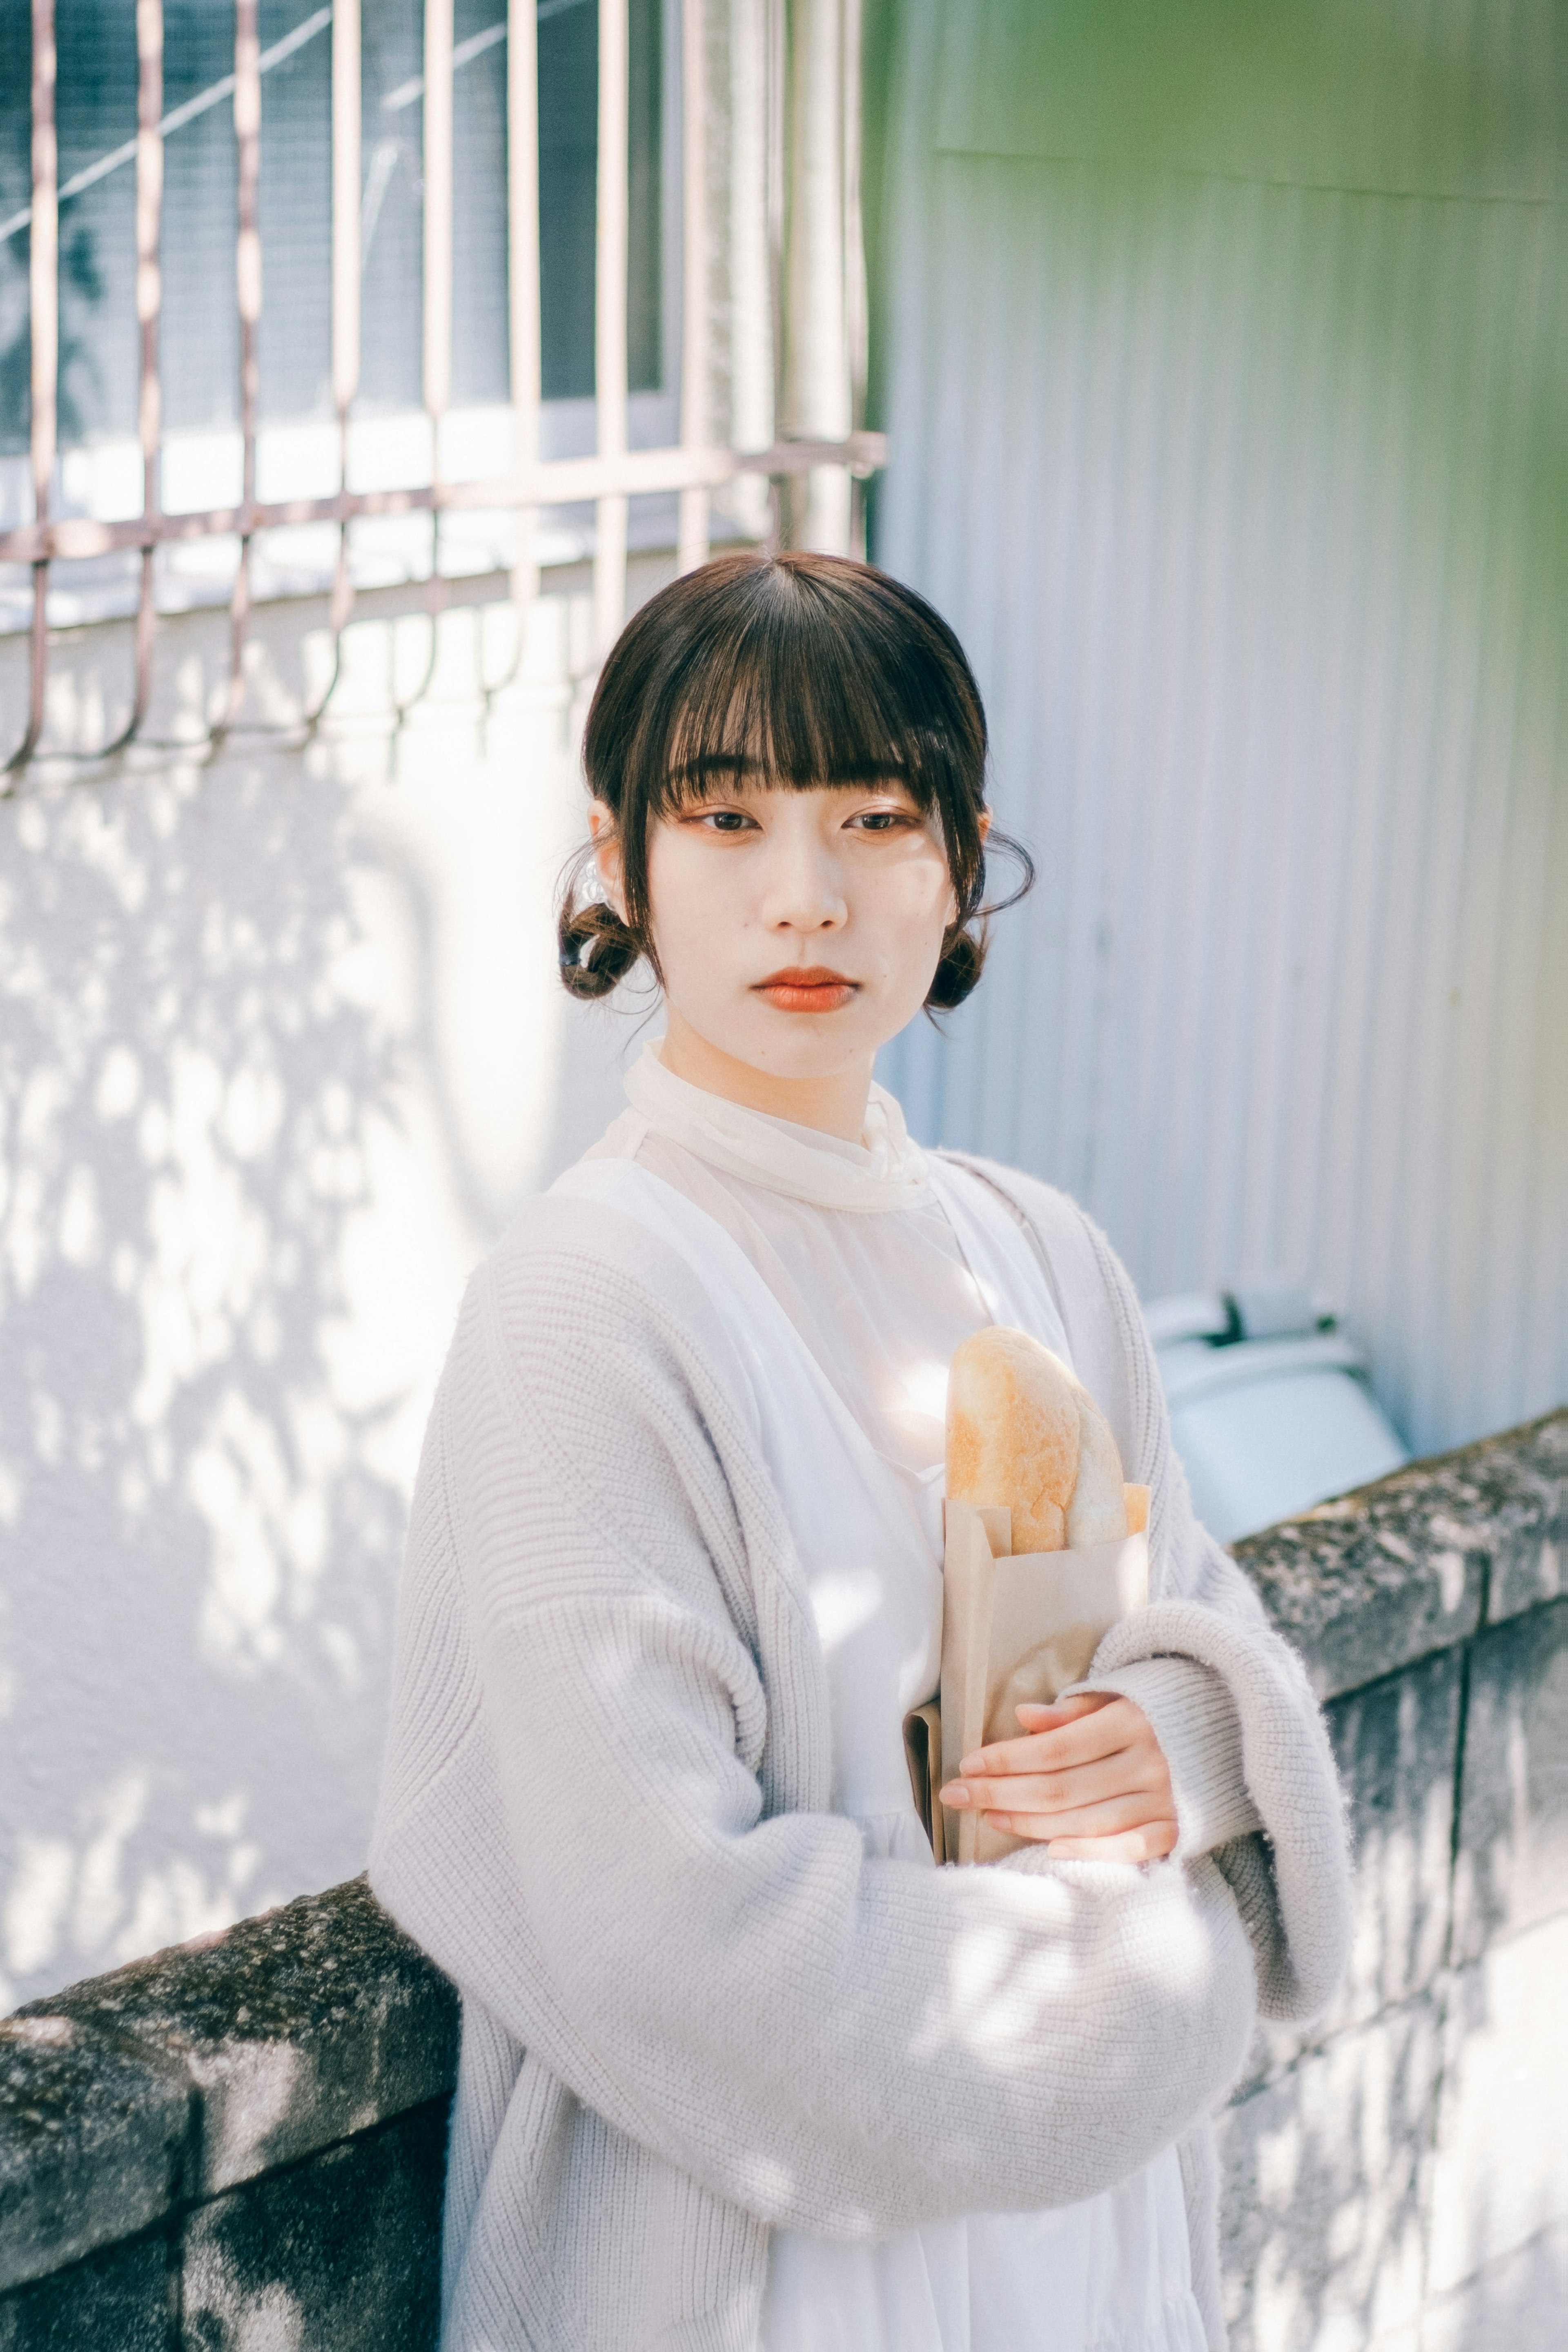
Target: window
[[446, 468], [96, 115]]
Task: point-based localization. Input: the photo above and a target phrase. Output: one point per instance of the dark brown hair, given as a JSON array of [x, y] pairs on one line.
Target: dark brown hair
[[809, 670]]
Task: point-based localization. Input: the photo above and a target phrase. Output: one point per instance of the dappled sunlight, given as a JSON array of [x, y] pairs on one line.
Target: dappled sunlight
[[843, 1601], [185, 1509], [76, 1895], [282, 1050], [1006, 1977], [1325, 2184], [272, 2319]]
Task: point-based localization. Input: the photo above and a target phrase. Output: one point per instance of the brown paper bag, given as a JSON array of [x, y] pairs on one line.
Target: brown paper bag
[[1014, 1630]]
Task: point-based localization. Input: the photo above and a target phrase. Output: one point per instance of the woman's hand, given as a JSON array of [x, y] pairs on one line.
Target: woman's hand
[[1087, 1781]]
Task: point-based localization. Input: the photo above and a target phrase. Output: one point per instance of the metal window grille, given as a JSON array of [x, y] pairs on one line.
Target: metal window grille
[[695, 466]]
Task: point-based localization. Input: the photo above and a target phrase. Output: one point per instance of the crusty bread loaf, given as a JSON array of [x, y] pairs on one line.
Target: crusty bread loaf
[[1024, 1433], [1098, 1512]]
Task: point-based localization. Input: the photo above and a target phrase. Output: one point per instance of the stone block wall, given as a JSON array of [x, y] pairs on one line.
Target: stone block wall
[[238, 2146], [1398, 2178], [235, 2147]]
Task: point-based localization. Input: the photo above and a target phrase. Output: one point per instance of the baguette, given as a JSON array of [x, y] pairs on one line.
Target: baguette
[[1024, 1433]]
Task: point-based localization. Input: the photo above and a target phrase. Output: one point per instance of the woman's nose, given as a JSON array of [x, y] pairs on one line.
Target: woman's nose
[[804, 887]]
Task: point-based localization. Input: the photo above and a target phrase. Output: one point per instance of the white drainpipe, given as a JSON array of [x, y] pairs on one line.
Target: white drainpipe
[[824, 270]]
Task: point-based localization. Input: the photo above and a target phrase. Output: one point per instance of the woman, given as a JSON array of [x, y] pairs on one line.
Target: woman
[[741, 2070]]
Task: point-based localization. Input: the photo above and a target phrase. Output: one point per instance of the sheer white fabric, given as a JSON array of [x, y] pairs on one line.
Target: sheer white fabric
[[852, 1239], [883, 1262]]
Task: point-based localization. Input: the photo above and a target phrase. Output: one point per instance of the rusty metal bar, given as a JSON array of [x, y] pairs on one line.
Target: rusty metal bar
[[149, 315], [346, 270], [436, 366], [437, 145], [248, 295], [345, 281], [346, 209], [692, 547], [560, 481], [525, 344], [44, 327], [610, 321], [523, 277]]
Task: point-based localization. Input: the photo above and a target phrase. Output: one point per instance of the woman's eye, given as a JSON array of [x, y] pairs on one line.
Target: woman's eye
[[879, 820], [725, 820]]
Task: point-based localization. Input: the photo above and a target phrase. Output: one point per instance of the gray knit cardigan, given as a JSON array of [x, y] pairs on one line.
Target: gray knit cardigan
[[692, 2008]]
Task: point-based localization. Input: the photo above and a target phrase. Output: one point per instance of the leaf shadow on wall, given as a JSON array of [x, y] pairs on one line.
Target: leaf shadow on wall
[[186, 1091]]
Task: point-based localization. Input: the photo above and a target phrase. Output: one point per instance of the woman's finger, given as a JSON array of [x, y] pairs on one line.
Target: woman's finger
[[1118, 1816], [1057, 1793], [1115, 1724], [1151, 1844], [1127, 1742], [1072, 1740]]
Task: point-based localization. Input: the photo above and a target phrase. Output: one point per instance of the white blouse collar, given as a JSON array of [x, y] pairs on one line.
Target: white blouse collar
[[884, 1171]]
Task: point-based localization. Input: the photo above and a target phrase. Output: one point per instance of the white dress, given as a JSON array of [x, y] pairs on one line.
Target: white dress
[[878, 1260]]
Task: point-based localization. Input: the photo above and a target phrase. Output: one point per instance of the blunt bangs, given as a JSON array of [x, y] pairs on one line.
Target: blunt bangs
[[807, 688]]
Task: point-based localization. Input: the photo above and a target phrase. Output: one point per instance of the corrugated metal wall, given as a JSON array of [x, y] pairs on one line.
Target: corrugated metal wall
[[1232, 440]]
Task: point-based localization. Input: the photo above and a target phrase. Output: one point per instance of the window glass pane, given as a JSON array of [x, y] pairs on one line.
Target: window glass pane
[[568, 162], [644, 320], [16, 173]]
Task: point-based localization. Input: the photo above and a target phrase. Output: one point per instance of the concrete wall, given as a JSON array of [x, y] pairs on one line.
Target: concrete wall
[[240, 2144], [282, 1050], [1399, 2178]]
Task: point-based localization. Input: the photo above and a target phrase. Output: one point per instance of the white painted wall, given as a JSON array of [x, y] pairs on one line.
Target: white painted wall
[[282, 1049], [1224, 394]]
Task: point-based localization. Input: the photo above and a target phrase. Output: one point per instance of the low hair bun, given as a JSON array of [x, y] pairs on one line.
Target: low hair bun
[[961, 962], [596, 948]]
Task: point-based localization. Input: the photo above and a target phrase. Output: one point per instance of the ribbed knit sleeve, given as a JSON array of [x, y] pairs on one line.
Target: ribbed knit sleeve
[[1250, 1748], [593, 1846], [1194, 1720]]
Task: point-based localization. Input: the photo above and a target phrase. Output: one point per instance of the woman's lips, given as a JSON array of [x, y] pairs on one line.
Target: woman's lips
[[817, 990]]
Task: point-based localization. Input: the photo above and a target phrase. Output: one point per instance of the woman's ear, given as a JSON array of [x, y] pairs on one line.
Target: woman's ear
[[607, 856], [984, 826]]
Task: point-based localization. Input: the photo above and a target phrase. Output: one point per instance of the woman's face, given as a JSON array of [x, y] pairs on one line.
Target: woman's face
[[797, 931]]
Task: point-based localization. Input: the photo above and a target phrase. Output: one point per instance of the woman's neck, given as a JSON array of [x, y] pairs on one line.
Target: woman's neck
[[834, 1105]]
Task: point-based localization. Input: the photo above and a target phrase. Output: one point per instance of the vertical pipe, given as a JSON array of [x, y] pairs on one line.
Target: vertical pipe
[[43, 291], [692, 546], [523, 277], [754, 389], [345, 266], [610, 321], [438, 288], [438, 218], [852, 231], [817, 392], [247, 292], [149, 309]]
